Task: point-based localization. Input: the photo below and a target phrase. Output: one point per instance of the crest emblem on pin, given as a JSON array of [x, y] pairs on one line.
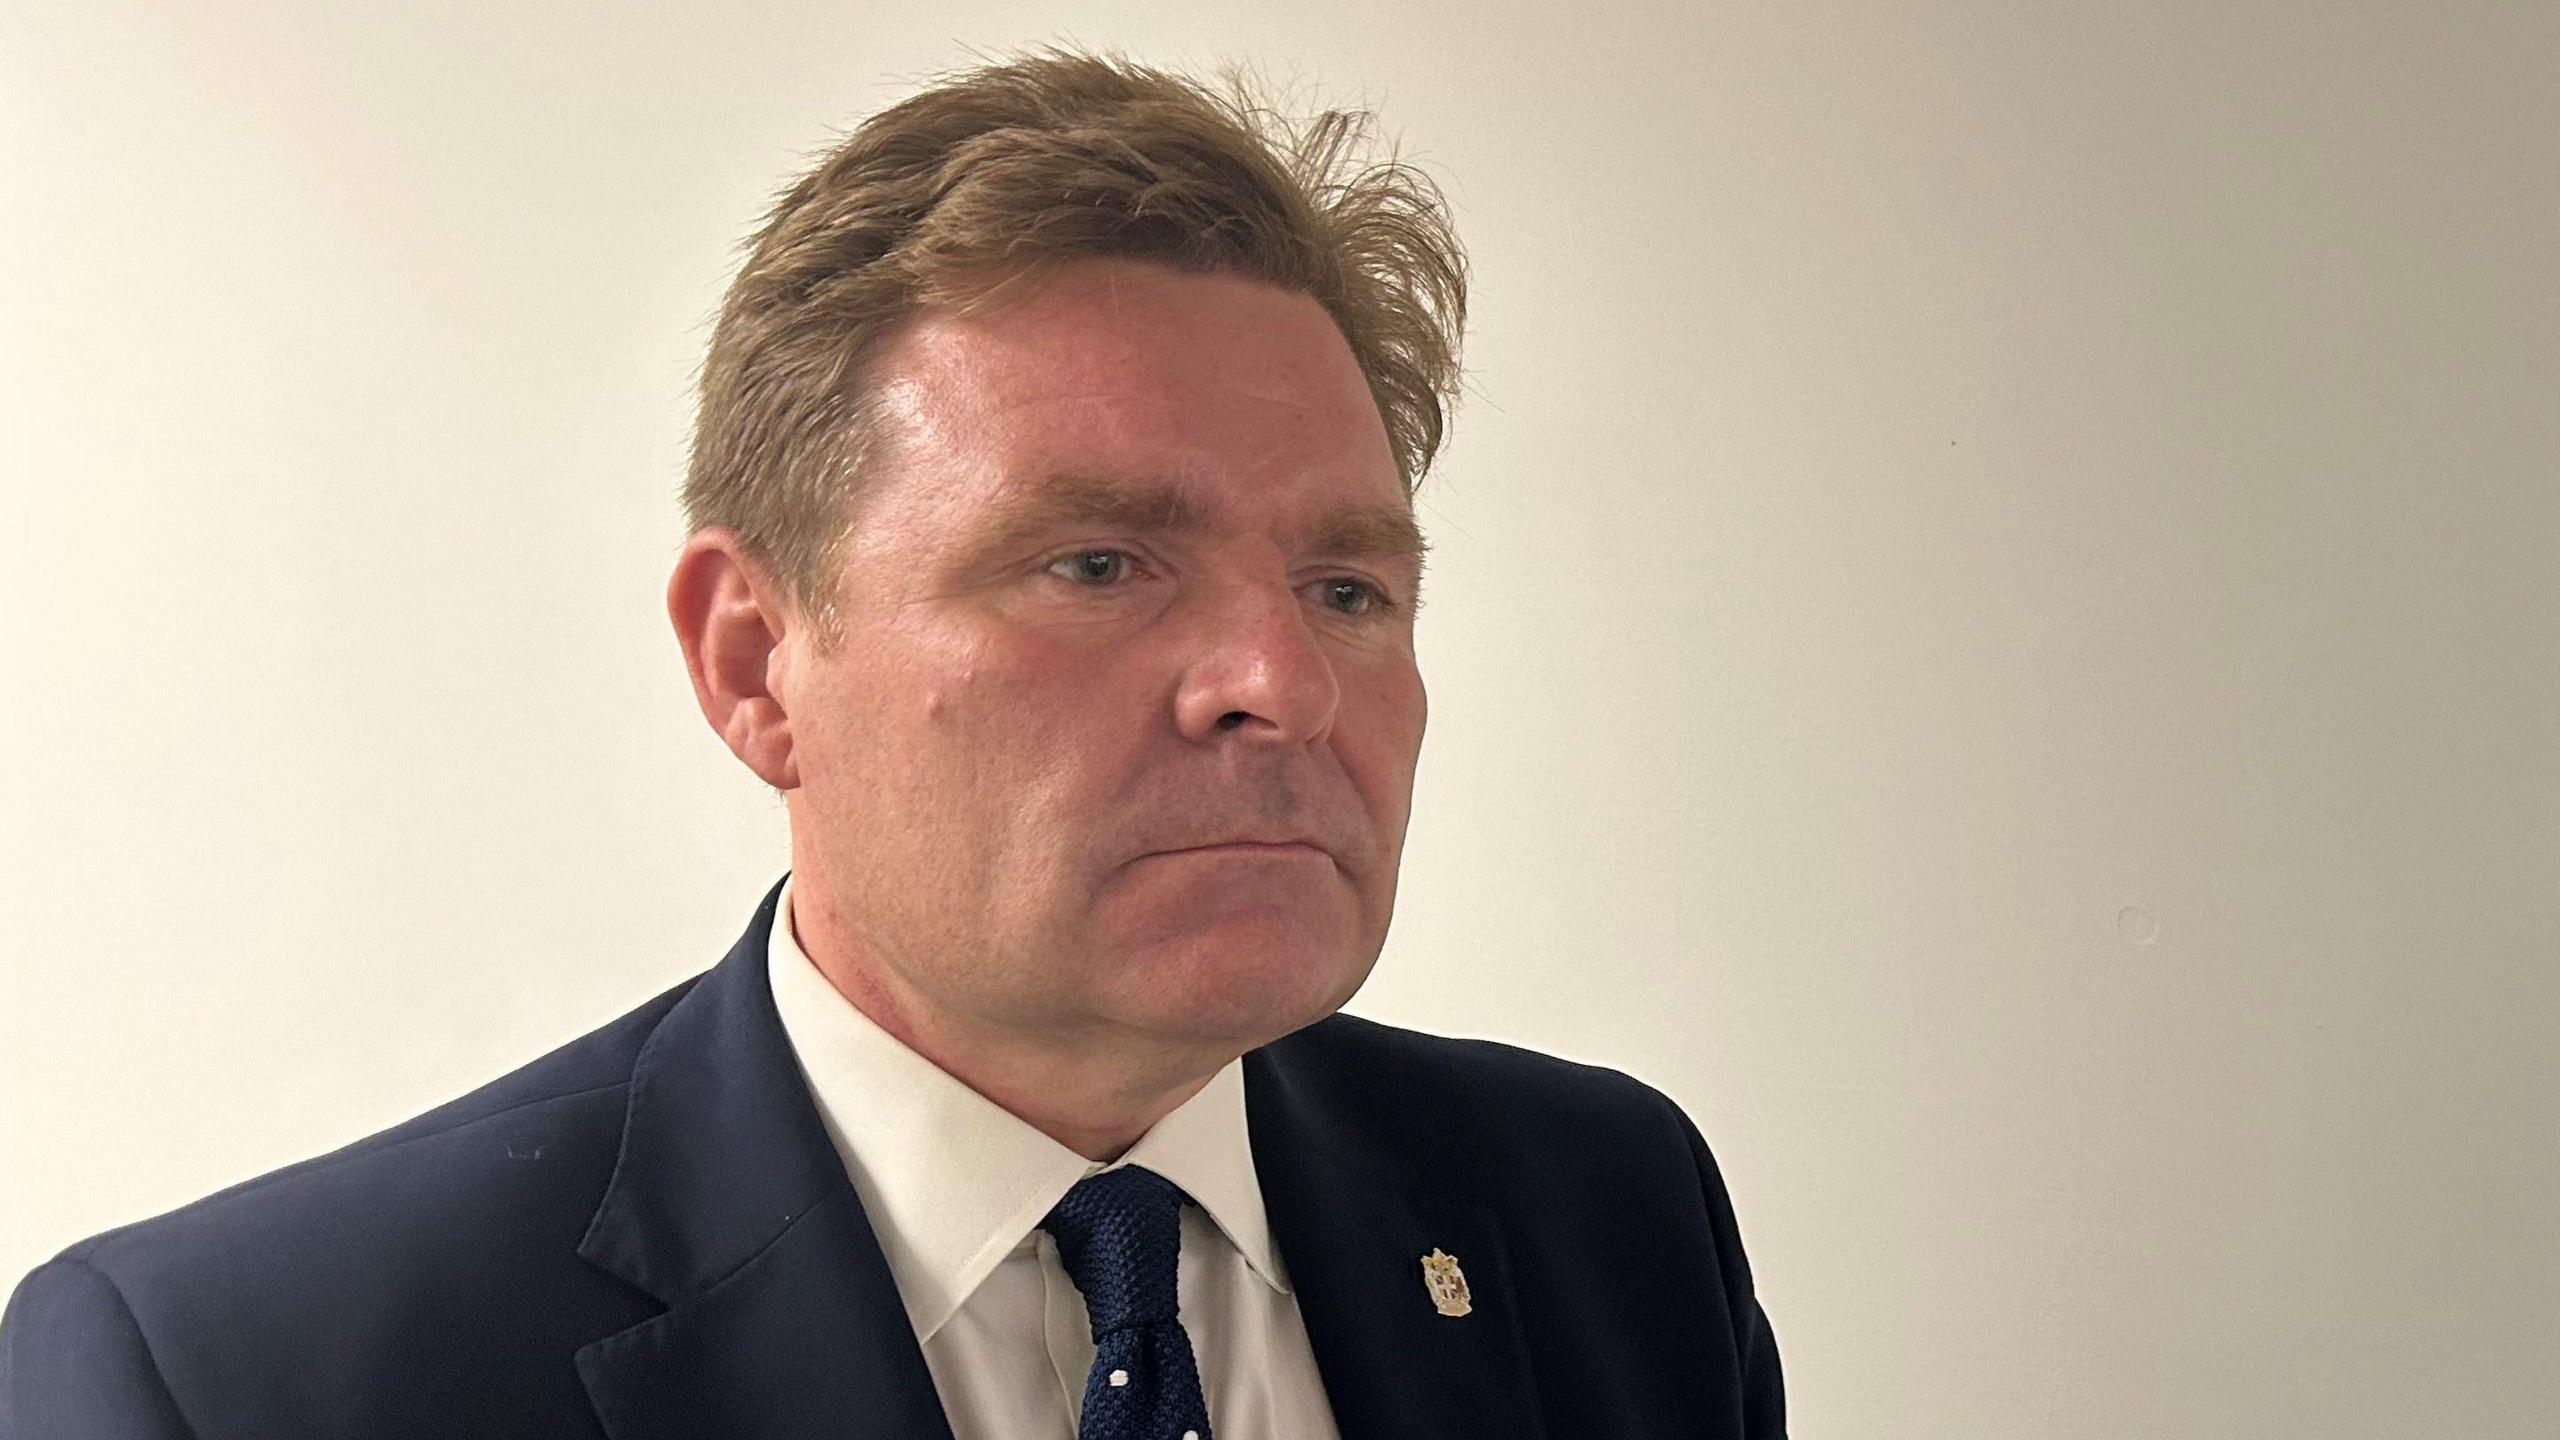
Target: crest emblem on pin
[[1446, 1282]]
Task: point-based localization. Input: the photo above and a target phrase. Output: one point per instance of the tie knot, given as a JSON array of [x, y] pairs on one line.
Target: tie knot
[[1119, 1236]]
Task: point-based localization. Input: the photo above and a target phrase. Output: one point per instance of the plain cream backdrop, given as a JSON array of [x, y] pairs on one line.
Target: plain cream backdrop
[[1993, 627]]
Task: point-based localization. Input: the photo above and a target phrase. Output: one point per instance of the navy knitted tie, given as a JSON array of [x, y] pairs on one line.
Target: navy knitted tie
[[1120, 1237]]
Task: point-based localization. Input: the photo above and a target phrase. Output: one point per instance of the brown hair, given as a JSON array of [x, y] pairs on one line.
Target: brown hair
[[995, 175]]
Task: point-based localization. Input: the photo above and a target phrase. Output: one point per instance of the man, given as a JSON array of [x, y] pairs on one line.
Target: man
[[1053, 555]]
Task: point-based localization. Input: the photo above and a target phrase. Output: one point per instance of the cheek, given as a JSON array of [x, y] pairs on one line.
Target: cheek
[[1417, 713], [1391, 713], [1011, 739], [919, 735]]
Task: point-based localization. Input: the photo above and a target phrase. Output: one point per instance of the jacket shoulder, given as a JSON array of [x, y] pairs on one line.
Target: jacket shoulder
[[568, 1093], [1451, 1097], [1464, 1062], [435, 1262]]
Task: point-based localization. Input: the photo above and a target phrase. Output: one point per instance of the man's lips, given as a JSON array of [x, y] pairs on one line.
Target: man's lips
[[1250, 848]]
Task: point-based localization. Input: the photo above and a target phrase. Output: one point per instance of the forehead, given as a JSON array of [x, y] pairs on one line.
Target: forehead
[[1095, 321], [1239, 395]]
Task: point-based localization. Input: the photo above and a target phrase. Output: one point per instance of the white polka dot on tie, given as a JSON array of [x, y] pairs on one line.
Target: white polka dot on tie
[[1190, 1435], [1121, 1377]]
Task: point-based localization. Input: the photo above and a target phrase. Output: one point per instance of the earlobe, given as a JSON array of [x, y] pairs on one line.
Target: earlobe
[[733, 653], [762, 739], [765, 742]]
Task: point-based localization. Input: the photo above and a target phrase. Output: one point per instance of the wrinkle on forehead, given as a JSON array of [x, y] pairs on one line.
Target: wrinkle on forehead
[[1007, 382], [1153, 329], [1204, 381]]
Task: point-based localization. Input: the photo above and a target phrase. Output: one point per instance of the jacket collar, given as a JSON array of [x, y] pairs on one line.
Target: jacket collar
[[730, 1206]]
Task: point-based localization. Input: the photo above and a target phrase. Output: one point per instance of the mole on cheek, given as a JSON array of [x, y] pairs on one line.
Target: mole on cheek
[[947, 701], [949, 683]]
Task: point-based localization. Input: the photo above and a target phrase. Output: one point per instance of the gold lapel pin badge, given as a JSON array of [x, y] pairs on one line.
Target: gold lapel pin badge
[[1446, 1282]]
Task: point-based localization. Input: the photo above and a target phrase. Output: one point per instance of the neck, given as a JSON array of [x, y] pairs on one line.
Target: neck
[[1096, 1099]]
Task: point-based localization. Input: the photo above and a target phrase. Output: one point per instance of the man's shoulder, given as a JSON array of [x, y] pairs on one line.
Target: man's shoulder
[[447, 1242], [1433, 1092], [1425, 1058], [545, 1131]]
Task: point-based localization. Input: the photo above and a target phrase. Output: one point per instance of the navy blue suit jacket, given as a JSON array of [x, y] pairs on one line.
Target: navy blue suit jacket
[[647, 1235]]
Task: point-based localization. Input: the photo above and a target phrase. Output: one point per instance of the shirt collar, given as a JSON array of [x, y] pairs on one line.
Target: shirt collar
[[953, 1182]]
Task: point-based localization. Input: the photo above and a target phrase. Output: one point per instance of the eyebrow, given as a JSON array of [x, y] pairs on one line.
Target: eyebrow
[[1378, 532]]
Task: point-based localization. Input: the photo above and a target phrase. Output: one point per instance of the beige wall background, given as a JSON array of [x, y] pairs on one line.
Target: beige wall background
[[1993, 629]]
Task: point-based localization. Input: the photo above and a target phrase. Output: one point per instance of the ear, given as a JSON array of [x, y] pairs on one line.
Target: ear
[[731, 620]]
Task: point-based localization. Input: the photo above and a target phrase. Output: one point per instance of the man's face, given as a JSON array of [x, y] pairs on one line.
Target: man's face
[[1132, 576]]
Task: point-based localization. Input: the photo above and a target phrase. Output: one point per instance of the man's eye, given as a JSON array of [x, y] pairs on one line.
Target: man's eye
[[1078, 567], [1084, 571], [1379, 601]]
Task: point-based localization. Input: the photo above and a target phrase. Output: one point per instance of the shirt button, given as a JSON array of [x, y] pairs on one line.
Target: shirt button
[[1190, 1435], [1121, 1377]]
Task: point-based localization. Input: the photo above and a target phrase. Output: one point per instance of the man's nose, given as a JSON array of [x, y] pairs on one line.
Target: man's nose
[[1257, 663]]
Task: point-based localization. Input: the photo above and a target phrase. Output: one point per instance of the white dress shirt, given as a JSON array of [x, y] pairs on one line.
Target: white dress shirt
[[955, 1186]]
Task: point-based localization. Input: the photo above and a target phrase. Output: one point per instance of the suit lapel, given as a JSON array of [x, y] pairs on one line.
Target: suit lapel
[[729, 1204], [1352, 1225]]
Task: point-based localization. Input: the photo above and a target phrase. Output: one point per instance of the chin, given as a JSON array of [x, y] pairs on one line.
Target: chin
[[1251, 994]]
